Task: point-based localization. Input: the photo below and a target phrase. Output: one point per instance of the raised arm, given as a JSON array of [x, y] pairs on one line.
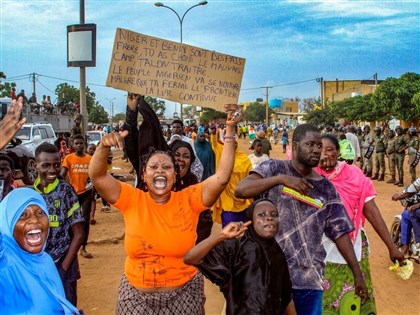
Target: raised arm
[[107, 186], [10, 124], [130, 124], [196, 254], [215, 184]]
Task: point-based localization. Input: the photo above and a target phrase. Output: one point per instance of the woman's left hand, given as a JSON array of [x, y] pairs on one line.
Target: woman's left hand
[[361, 289]]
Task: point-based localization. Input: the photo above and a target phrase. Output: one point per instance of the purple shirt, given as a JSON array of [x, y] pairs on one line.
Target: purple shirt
[[302, 224]]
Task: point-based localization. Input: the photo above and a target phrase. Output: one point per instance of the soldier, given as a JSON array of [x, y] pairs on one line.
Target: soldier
[[400, 146], [367, 150], [380, 147], [359, 135], [413, 148], [390, 152]]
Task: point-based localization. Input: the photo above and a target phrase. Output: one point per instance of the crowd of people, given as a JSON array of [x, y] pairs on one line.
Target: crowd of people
[[45, 106], [293, 238]]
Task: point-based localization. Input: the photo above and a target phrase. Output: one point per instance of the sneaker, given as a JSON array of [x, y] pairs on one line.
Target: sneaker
[[106, 209]]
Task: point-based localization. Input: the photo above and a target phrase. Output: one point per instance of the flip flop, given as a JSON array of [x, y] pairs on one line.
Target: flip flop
[[86, 254]]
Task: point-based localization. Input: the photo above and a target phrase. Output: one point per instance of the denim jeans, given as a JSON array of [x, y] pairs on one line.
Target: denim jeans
[[406, 227], [307, 302], [415, 221]]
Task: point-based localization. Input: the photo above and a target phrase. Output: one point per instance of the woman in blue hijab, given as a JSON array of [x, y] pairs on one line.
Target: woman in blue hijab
[[29, 280]]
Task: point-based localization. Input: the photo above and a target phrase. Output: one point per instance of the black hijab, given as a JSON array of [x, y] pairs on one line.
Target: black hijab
[[189, 178]]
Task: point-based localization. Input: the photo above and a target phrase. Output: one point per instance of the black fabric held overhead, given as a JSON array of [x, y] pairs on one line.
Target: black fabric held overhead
[[149, 134]]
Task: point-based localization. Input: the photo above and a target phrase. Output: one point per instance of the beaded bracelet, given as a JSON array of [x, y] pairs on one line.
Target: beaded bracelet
[[229, 137]]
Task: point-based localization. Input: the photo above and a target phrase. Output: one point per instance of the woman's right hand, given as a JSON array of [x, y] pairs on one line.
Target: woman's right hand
[[133, 101]]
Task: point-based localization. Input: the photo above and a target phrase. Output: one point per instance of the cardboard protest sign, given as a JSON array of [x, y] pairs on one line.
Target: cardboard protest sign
[[181, 73]]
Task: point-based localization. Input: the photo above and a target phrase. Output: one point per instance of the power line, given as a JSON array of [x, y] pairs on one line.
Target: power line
[[277, 85], [19, 77], [44, 86], [74, 81]]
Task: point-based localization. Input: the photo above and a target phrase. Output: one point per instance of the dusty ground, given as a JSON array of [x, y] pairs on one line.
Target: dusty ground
[[101, 275]]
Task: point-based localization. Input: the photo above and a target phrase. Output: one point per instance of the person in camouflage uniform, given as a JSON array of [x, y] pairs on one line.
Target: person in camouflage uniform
[[413, 148], [390, 152], [367, 141], [359, 134], [380, 147], [400, 146]]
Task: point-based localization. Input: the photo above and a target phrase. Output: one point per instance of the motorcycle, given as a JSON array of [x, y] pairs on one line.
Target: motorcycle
[[395, 232]]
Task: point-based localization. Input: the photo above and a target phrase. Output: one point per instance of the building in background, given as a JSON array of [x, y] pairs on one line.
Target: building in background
[[338, 90]]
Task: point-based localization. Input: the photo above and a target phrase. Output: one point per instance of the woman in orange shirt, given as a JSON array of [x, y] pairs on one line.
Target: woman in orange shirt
[[160, 226]]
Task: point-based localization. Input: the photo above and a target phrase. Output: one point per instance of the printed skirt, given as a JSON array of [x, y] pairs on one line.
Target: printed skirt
[[339, 297]]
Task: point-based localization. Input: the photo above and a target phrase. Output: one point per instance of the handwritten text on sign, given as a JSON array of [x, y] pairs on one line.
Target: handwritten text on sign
[[189, 75]]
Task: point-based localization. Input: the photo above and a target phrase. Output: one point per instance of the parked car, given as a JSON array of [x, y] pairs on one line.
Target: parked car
[[33, 134], [95, 136], [24, 161]]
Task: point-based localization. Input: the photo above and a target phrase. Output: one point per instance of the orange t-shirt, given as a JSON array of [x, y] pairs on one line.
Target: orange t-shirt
[[158, 236], [77, 171]]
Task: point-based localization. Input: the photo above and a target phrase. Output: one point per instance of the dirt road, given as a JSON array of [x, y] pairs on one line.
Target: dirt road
[[101, 275]]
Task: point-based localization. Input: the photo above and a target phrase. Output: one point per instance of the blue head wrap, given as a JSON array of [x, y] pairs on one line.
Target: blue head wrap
[[29, 283]]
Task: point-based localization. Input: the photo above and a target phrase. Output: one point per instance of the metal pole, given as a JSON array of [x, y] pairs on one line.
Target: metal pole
[[83, 105], [266, 105], [33, 82], [181, 20]]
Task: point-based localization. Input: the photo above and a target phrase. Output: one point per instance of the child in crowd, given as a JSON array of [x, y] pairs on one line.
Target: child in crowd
[[64, 150], [251, 270], [257, 157]]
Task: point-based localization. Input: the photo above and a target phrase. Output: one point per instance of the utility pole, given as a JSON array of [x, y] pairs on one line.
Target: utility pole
[[266, 104], [83, 105], [321, 83], [33, 83]]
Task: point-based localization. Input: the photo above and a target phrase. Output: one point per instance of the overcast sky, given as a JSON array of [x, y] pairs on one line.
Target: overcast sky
[[283, 42]]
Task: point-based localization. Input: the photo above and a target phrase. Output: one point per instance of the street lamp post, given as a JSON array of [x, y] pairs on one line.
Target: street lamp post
[[181, 20], [111, 108]]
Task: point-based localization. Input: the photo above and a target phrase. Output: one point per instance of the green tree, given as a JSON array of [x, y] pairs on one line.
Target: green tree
[[158, 105], [256, 112], [118, 117], [358, 108], [395, 97], [97, 114], [209, 114], [66, 92], [5, 88], [320, 117]]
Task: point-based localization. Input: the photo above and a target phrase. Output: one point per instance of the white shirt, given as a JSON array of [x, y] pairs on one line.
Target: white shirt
[[255, 160]]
